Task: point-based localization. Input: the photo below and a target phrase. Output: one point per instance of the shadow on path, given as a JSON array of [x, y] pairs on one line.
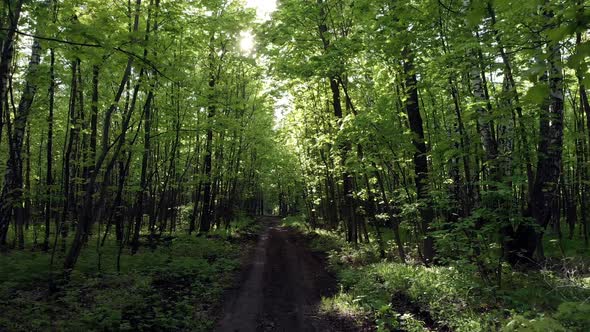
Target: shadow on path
[[282, 289]]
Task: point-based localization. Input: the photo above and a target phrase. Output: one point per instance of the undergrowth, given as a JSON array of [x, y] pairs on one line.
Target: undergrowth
[[176, 286], [413, 297]]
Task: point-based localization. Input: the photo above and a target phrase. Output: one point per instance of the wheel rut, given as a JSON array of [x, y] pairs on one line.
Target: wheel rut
[[282, 288]]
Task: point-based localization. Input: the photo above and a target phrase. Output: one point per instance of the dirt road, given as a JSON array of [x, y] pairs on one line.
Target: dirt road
[[282, 288]]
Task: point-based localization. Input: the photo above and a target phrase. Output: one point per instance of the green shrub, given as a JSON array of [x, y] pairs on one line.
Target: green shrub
[[520, 323], [574, 315], [176, 286]]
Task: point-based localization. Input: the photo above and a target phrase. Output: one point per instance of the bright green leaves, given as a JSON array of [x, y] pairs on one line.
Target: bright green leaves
[[476, 13], [303, 44], [537, 94], [579, 61]]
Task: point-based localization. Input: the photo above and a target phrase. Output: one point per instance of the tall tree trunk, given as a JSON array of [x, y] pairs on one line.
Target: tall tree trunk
[[420, 155], [49, 169], [12, 189], [207, 213], [513, 97], [545, 189], [147, 122], [68, 159], [143, 193], [485, 123], [584, 187], [26, 218], [345, 147], [7, 196]]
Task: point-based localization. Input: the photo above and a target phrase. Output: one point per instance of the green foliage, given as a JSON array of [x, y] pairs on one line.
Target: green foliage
[[354, 255], [296, 222], [575, 316], [175, 287], [541, 324], [415, 297], [319, 240]]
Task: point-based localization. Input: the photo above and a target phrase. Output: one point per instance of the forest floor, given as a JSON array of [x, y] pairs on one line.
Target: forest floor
[[178, 285], [410, 297], [283, 283]]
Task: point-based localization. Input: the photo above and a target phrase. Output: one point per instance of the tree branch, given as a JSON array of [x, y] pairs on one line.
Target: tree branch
[[118, 49]]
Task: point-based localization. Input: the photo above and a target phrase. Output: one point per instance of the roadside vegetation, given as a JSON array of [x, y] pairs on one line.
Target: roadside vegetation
[[397, 296], [176, 285]]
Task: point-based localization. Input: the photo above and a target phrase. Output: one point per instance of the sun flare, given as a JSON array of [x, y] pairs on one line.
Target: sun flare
[[263, 8], [247, 41]]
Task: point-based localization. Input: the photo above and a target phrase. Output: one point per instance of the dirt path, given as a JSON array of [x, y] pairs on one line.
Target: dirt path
[[282, 288]]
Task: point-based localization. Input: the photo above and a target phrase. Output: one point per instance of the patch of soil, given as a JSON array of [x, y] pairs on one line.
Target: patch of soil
[[283, 288]]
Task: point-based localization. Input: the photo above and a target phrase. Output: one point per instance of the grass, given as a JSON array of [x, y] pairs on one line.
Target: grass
[[177, 286], [554, 247], [412, 297]]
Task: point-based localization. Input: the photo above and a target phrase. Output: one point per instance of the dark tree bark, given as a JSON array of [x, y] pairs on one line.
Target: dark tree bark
[[550, 146], [420, 155], [143, 194], [26, 218], [349, 206], [12, 189], [545, 189], [585, 177], [49, 169], [10, 186], [207, 213], [68, 159]]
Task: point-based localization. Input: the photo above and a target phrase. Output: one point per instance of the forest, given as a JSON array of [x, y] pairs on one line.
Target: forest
[[294, 165]]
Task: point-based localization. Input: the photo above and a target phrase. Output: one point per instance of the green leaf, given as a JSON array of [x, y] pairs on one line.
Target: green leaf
[[537, 94]]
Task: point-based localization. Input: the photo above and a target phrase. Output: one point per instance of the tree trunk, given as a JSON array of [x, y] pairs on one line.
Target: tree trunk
[[420, 155], [68, 160], [207, 214], [12, 189], [10, 186], [143, 192], [545, 189], [345, 147], [87, 219], [585, 106], [49, 170]]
